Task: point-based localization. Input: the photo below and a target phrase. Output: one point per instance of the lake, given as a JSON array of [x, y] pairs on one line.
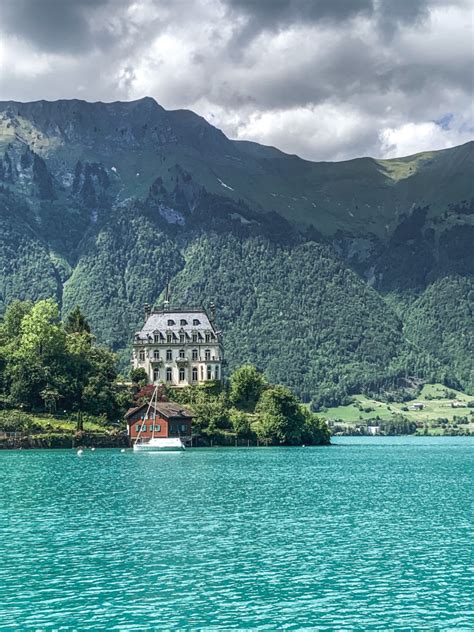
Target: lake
[[370, 533]]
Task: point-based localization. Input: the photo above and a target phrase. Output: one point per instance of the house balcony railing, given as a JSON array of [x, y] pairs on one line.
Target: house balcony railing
[[182, 360]]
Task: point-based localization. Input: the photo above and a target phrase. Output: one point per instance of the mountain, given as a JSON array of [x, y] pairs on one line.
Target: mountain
[[333, 277]]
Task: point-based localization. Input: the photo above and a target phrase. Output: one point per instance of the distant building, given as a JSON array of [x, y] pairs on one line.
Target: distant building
[[373, 430], [179, 347], [416, 406], [164, 419]]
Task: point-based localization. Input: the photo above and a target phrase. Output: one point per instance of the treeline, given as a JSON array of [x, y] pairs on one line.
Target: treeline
[[47, 365], [247, 408]]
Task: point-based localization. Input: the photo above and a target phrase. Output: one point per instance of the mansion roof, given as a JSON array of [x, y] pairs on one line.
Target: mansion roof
[[176, 321]]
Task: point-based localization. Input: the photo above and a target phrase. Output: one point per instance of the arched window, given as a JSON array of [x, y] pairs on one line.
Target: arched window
[[170, 322], [195, 374], [169, 374], [156, 354], [195, 321], [209, 373], [207, 354], [181, 375], [195, 354], [183, 322]]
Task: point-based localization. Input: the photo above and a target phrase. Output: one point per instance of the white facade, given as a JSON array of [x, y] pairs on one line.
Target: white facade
[[179, 347]]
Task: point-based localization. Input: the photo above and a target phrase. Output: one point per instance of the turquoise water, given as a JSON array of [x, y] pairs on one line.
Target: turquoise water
[[372, 533]]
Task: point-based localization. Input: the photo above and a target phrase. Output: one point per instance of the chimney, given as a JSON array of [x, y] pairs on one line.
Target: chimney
[[147, 309], [212, 311]]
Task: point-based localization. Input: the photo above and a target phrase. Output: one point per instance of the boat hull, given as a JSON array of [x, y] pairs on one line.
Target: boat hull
[[159, 445]]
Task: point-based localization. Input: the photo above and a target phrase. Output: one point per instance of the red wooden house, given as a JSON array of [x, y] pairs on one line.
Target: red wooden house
[[164, 419]]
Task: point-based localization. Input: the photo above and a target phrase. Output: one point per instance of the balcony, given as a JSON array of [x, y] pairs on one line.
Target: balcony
[[182, 361]]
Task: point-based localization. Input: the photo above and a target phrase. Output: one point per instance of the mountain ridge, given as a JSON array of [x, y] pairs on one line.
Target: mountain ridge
[[101, 203]]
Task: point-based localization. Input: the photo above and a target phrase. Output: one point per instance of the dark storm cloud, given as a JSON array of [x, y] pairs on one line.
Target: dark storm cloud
[[54, 25]]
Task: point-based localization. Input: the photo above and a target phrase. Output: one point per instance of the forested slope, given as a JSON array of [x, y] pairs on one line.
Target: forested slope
[[332, 277]]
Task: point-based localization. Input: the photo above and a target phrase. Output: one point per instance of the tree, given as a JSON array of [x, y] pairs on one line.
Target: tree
[[246, 386], [315, 431], [76, 322], [280, 417], [139, 376]]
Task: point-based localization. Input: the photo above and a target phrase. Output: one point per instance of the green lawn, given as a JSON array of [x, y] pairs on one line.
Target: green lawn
[[365, 409]]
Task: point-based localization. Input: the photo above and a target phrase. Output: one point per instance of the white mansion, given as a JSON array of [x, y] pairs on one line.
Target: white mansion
[[179, 346]]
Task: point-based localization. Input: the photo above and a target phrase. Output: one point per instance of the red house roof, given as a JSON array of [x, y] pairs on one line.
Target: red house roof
[[168, 410]]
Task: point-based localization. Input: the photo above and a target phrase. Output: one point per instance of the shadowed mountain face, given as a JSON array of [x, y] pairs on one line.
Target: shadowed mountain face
[[322, 270]]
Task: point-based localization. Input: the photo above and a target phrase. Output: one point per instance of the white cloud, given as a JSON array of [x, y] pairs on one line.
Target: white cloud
[[412, 138]]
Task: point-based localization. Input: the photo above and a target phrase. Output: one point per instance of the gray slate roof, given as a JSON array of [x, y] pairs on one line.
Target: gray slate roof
[[158, 321]]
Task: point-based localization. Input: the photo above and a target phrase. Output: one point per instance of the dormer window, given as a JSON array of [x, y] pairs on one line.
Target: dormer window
[[156, 338], [183, 322], [195, 321], [195, 337], [208, 337], [182, 338], [169, 337], [170, 322]]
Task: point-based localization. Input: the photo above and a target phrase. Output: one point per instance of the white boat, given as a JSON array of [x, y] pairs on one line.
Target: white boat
[[159, 444]]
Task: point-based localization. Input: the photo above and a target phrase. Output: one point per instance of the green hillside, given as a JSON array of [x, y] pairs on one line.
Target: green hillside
[[335, 278]]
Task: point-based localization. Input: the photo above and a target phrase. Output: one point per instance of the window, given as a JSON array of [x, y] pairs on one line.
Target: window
[[169, 338], [182, 338], [183, 427], [143, 428], [195, 337], [209, 374], [195, 354], [202, 373], [181, 375], [142, 354], [183, 322], [156, 375], [156, 354], [157, 428], [169, 355], [169, 374], [170, 322], [207, 354], [217, 372], [181, 353], [156, 337], [208, 337], [195, 321], [137, 427], [195, 374]]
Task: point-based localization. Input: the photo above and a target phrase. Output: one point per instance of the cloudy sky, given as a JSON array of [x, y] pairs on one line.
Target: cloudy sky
[[326, 79]]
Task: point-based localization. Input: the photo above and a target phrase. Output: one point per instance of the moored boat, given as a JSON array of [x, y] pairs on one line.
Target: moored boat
[[159, 444]]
